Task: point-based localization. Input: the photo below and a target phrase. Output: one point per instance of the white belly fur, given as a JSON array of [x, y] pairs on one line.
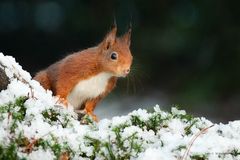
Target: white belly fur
[[88, 89]]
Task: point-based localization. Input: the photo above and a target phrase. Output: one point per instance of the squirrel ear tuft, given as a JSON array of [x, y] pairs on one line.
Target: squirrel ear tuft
[[127, 36], [110, 38]]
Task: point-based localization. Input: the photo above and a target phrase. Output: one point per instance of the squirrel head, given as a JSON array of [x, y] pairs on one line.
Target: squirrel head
[[115, 55]]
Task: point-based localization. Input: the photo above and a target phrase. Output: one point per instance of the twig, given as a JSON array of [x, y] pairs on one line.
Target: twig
[[30, 146], [186, 153], [18, 76]]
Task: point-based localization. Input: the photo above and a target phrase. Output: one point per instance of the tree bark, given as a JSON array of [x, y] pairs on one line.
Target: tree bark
[[4, 80]]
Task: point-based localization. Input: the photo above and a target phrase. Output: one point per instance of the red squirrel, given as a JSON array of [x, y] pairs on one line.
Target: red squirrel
[[85, 77]]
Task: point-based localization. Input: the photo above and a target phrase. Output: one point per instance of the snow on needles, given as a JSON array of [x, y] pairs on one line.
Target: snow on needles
[[35, 125]]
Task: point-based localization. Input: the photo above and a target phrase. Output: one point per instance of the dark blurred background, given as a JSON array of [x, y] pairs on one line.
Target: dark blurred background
[[185, 52]]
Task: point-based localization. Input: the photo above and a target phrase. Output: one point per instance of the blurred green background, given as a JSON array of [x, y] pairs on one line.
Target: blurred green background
[[185, 52]]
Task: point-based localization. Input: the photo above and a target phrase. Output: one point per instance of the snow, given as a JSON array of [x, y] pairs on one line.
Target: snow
[[41, 153], [156, 154], [137, 136], [141, 113]]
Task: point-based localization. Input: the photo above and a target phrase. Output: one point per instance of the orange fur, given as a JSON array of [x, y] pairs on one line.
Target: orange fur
[[62, 76], [43, 78]]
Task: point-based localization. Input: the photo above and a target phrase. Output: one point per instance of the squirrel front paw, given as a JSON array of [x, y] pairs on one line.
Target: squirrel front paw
[[82, 113], [91, 114]]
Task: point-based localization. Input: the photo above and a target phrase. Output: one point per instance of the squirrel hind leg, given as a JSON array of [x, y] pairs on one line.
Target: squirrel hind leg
[[43, 79]]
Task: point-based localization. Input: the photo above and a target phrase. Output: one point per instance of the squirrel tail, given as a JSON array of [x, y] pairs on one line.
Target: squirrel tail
[[42, 78]]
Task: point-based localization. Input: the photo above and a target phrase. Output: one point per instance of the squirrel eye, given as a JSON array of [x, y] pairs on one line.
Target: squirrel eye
[[114, 56]]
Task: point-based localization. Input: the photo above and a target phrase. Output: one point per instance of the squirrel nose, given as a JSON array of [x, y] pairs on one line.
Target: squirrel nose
[[126, 71]]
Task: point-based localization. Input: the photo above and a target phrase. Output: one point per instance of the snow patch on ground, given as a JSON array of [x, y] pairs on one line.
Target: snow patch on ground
[[38, 126]]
